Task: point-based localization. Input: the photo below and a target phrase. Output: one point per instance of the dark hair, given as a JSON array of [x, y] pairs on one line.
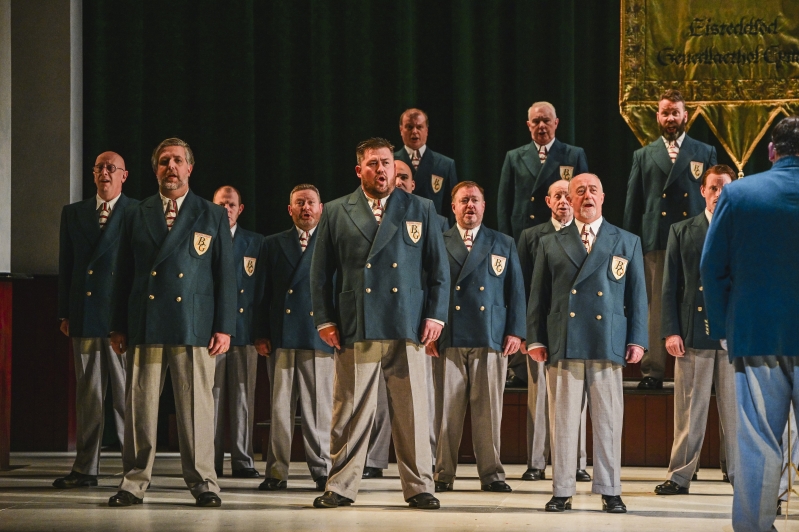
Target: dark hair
[[304, 186], [172, 141], [234, 189], [414, 112], [672, 95], [374, 143], [464, 184], [786, 136], [719, 169]]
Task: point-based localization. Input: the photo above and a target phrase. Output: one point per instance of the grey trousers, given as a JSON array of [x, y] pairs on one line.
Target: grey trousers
[[475, 377], [380, 435], [653, 364], [694, 376], [96, 366], [359, 369], [234, 383], [538, 437], [192, 371], [307, 376], [567, 382], [791, 452]]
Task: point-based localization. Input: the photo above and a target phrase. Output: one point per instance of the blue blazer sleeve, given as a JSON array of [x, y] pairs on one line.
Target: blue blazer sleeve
[[715, 268], [517, 309], [540, 299], [635, 300], [123, 276], [582, 163], [672, 277], [436, 265], [323, 269], [505, 197], [225, 284]]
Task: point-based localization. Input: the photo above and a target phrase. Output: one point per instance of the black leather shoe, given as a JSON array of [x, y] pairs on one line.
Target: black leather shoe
[[779, 507], [613, 504], [75, 480], [443, 486], [246, 472], [695, 477], [124, 498], [558, 504], [725, 478], [321, 482], [331, 499], [670, 488], [534, 474], [583, 476], [209, 499], [515, 382], [424, 501], [372, 472], [497, 485], [650, 383], [272, 484]]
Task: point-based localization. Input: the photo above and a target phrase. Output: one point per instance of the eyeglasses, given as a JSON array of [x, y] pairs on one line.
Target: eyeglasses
[[98, 168]]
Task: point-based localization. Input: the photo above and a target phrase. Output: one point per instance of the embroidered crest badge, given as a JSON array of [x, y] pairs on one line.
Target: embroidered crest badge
[[498, 264], [437, 182], [249, 265], [414, 230], [619, 267], [202, 243], [697, 169], [566, 172]]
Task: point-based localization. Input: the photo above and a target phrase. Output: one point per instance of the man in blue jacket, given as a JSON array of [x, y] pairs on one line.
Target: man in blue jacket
[[752, 301], [485, 325], [586, 319], [90, 231], [300, 364], [234, 380], [380, 255], [175, 303], [528, 172], [701, 363]]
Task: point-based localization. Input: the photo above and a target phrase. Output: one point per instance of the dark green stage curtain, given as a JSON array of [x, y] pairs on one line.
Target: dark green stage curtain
[[273, 93]]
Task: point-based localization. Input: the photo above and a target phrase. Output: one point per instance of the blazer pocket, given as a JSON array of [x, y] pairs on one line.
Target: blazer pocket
[[618, 334], [203, 315], [554, 333], [498, 318], [348, 313]]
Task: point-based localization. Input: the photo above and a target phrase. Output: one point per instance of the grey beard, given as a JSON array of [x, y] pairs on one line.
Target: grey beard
[[171, 186]]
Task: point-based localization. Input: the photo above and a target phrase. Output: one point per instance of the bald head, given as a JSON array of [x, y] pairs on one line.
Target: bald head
[[586, 197], [108, 182], [404, 177], [542, 122], [558, 201]]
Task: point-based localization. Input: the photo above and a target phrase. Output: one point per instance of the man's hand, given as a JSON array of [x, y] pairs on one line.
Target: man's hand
[[511, 345], [634, 353], [431, 331], [220, 343], [119, 342], [523, 348], [674, 345], [539, 354], [263, 346], [64, 327], [330, 336], [431, 349]]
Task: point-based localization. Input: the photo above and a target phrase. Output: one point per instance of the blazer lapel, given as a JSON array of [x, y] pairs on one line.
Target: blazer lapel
[[108, 236], [290, 244], [303, 267], [480, 248], [550, 165], [455, 246], [660, 155], [361, 214], [187, 214], [425, 165], [531, 160], [569, 240], [89, 221], [395, 211], [154, 219], [603, 246], [683, 160], [698, 232]]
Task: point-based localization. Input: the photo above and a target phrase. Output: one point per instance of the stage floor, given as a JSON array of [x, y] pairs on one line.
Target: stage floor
[[28, 502]]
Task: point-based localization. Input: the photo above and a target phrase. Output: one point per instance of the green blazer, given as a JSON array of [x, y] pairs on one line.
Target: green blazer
[[376, 276], [434, 169], [175, 287], [660, 193], [528, 245]]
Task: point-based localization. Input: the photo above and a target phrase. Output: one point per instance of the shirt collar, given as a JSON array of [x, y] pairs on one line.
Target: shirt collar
[[594, 226], [299, 231], [679, 140], [558, 226], [474, 231], [165, 200], [708, 215], [369, 201], [421, 151], [547, 146], [111, 203], [233, 230]]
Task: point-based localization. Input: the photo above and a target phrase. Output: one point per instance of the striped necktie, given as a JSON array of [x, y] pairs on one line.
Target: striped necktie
[[585, 236], [542, 154], [674, 150], [171, 213], [377, 210], [304, 240], [104, 213], [415, 159], [467, 239]]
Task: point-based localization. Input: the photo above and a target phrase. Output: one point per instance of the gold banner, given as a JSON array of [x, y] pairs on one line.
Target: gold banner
[[736, 62]]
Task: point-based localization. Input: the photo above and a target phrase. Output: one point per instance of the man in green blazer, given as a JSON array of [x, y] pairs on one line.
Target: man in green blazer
[[174, 303]]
